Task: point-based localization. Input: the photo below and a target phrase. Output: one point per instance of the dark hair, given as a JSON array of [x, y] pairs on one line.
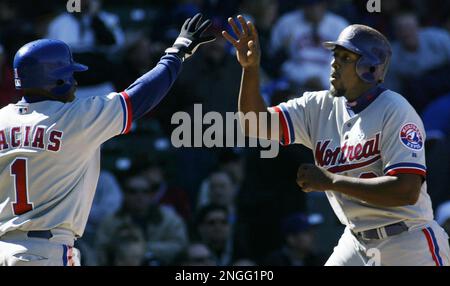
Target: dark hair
[[205, 210]]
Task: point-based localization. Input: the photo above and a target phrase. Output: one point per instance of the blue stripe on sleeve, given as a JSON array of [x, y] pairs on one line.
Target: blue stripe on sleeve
[[290, 125], [413, 165], [124, 107]]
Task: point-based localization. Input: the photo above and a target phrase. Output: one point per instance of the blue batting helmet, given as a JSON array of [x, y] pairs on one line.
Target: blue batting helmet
[[46, 64], [373, 47]]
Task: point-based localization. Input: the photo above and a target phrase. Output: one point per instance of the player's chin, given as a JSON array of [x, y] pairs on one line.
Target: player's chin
[[69, 96], [336, 91]]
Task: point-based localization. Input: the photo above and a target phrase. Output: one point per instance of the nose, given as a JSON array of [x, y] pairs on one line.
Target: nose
[[334, 63]]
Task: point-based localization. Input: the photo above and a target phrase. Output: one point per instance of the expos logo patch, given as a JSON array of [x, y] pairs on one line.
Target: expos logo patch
[[411, 136]]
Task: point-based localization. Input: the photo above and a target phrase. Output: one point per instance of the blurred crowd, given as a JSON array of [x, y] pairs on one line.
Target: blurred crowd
[[160, 205]]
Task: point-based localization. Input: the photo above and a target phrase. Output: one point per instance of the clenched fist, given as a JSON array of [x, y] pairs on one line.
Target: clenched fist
[[313, 178]]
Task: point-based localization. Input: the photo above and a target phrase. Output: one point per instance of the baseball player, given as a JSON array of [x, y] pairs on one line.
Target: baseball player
[[49, 142], [368, 145]]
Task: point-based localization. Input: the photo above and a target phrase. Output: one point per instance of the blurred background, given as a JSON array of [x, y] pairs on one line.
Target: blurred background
[[160, 205]]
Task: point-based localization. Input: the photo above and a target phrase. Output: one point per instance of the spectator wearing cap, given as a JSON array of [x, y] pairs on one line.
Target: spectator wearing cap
[[299, 248]]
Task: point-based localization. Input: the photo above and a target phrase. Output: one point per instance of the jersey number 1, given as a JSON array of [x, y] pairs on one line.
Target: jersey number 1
[[19, 171]]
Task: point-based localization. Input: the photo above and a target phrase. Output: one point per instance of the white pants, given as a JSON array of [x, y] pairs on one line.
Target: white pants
[[25, 251], [427, 245]]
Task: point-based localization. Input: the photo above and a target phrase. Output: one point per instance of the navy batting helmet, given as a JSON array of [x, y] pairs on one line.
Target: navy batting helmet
[[46, 64], [373, 47]]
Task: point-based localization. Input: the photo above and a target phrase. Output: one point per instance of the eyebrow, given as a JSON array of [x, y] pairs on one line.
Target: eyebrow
[[343, 52]]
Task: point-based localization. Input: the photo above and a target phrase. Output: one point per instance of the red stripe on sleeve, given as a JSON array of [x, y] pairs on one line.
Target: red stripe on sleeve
[[284, 125], [129, 112], [407, 171]]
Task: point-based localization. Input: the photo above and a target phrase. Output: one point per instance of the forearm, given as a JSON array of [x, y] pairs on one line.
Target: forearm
[[385, 191], [148, 90], [250, 100]]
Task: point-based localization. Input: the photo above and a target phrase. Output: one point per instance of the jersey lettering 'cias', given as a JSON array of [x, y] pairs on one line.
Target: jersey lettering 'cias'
[[24, 136]]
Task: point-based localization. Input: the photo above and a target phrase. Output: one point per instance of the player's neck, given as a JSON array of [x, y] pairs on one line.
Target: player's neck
[[355, 93]]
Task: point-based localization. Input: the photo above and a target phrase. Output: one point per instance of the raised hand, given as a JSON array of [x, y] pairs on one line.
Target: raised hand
[[247, 47], [191, 37]]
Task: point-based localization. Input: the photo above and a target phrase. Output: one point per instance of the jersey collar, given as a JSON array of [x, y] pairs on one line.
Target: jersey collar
[[364, 100]]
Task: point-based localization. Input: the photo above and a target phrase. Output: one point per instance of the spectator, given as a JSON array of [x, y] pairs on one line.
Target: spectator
[[8, 94], [214, 230], [164, 231], [126, 246], [299, 35], [196, 254], [107, 202], [218, 189], [87, 31], [299, 248], [164, 194], [420, 61]]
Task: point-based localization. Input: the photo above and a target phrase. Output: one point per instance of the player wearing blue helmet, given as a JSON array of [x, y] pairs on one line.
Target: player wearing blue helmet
[[368, 146], [46, 65], [50, 145]]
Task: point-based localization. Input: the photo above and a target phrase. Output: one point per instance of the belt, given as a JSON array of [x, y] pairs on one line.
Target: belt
[[383, 232], [40, 234]]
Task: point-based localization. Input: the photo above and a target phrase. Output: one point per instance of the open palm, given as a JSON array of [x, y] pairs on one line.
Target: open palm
[[247, 45]]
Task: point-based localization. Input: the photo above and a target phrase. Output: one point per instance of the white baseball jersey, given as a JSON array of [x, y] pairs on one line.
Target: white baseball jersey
[[50, 160], [378, 134]]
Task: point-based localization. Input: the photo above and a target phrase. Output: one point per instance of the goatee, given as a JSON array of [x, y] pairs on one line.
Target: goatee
[[337, 92]]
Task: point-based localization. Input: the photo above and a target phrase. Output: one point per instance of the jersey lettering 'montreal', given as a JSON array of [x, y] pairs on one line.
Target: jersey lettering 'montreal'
[[328, 157], [18, 137]]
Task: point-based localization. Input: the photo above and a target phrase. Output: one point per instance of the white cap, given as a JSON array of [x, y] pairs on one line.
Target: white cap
[[443, 213]]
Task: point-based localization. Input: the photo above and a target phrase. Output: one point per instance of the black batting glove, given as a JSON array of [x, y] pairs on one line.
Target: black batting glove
[[190, 37]]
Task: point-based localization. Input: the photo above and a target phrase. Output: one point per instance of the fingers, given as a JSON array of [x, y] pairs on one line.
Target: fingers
[[203, 27], [245, 29], [186, 23], [199, 22], [234, 27], [229, 38], [253, 31], [194, 22]]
